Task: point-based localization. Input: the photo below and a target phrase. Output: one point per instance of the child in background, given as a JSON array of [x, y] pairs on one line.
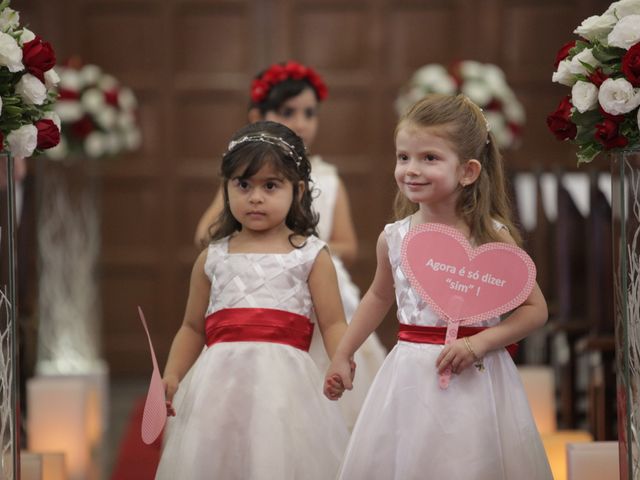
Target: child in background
[[449, 171], [253, 406], [290, 93]]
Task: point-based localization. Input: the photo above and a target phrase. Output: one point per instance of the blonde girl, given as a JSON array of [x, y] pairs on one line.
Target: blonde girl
[[449, 171]]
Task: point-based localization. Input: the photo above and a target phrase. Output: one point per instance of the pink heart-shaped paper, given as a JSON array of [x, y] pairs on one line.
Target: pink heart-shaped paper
[[462, 283], [154, 415]]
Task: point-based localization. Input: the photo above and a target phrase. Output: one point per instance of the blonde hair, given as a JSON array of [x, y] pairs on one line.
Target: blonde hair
[[465, 127]]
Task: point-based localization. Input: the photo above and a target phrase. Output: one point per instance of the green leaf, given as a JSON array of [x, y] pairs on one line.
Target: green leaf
[[587, 152], [12, 111], [4, 4], [605, 54], [590, 117]]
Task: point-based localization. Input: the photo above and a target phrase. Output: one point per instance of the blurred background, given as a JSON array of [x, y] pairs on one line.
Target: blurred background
[[190, 64]]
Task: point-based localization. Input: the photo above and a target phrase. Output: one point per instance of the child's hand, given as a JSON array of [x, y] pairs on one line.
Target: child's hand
[[170, 383], [457, 355], [333, 387], [339, 377]]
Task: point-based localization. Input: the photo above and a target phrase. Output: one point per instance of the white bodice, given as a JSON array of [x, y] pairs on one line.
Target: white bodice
[[261, 280], [412, 309]]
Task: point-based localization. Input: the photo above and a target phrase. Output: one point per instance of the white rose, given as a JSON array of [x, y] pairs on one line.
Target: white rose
[[584, 96], [69, 110], [596, 27], [563, 74], [70, 80], [10, 53], [95, 145], [26, 36], [471, 69], [427, 74], [58, 152], [623, 8], [126, 99], [106, 118], [107, 82], [576, 66], [514, 111], [31, 89], [23, 141], [132, 139], [93, 100], [618, 96], [0, 106], [639, 119], [9, 19], [90, 74], [494, 78], [51, 78], [477, 91], [54, 117], [626, 33], [113, 143]]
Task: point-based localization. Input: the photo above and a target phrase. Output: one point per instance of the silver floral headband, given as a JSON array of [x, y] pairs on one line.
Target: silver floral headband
[[270, 139]]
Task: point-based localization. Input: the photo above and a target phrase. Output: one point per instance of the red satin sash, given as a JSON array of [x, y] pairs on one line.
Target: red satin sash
[[436, 335], [259, 325]]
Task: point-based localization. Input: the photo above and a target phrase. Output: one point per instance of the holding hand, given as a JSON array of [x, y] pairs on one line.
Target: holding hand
[[170, 383], [459, 355], [339, 378]]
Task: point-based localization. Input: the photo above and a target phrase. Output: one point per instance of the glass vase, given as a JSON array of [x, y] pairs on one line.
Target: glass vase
[[9, 395], [625, 168]]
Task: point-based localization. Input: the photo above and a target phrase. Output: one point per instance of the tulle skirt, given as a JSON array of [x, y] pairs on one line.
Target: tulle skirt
[[250, 410], [480, 428], [368, 358]]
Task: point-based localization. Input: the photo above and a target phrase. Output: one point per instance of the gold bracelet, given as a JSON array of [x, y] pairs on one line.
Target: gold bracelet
[[478, 361]]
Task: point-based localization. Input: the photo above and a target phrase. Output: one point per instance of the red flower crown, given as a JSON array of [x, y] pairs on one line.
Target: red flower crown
[[277, 73]]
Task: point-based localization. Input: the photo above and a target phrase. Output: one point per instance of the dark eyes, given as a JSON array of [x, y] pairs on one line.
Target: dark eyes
[[428, 157]]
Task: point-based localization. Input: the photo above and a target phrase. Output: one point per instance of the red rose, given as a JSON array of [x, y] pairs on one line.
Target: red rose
[[259, 90], [82, 128], [559, 122], [111, 98], [607, 134], [295, 70], [597, 77], [66, 94], [631, 65], [564, 52], [38, 57], [48, 134]]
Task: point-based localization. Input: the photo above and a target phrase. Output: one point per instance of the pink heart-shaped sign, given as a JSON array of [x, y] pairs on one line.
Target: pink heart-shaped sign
[[154, 415], [462, 283]]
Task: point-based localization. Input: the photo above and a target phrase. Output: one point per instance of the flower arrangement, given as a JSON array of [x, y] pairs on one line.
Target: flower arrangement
[[483, 83], [602, 68], [98, 114], [27, 88], [279, 72]]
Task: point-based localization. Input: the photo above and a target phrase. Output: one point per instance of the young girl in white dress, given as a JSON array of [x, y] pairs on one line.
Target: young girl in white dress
[[253, 406], [290, 93], [448, 170]]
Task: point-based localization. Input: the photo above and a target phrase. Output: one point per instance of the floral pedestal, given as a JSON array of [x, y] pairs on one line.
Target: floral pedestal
[[626, 257], [9, 402], [69, 243]]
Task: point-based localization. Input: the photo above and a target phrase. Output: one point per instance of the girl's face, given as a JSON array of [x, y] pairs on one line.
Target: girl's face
[[261, 202], [300, 114], [428, 169]]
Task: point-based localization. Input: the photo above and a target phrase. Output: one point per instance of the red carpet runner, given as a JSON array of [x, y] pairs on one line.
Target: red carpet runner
[[136, 461]]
